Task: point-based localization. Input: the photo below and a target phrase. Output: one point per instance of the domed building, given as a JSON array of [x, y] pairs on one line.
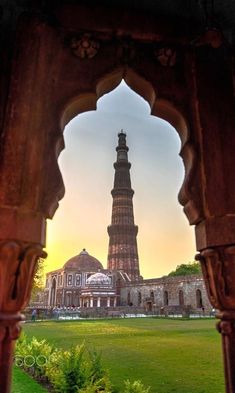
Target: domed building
[[65, 286], [83, 262], [99, 291]]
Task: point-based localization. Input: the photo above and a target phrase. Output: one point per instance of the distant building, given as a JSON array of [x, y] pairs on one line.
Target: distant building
[[83, 282]]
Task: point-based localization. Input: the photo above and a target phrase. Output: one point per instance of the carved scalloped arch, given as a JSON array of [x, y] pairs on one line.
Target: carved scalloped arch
[[160, 108]]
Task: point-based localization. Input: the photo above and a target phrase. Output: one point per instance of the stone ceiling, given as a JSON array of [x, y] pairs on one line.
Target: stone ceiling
[[195, 14]]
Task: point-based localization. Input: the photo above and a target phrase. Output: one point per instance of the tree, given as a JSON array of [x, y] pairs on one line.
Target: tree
[[38, 280], [186, 269]]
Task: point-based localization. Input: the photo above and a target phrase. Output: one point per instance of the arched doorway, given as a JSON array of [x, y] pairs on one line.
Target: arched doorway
[[53, 293], [129, 303], [91, 149], [199, 303], [165, 298], [36, 102], [139, 298], [128, 299], [181, 297]]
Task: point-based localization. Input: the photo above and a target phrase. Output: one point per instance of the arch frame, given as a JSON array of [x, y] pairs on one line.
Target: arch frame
[[194, 95], [160, 107]]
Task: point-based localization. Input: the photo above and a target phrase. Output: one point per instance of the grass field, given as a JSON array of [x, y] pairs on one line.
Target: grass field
[[171, 356], [22, 383]]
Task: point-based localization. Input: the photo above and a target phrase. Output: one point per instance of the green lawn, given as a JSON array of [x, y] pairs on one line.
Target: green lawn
[[180, 356], [22, 383]]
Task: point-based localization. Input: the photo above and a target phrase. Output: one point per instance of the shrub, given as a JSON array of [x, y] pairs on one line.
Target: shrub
[[96, 370], [52, 369], [21, 345], [68, 372], [101, 385], [41, 352], [71, 372], [33, 356], [135, 387]]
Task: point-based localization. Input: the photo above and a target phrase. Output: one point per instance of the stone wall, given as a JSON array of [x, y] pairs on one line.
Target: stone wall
[[165, 291]]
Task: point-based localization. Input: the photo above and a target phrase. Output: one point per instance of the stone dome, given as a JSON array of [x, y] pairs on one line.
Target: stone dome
[[98, 279], [83, 262]]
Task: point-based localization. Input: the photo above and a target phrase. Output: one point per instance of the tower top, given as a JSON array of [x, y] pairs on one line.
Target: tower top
[[122, 142], [121, 133]]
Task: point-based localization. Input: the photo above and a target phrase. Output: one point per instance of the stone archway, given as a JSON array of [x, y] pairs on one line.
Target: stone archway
[[165, 298], [189, 195], [199, 303], [181, 298], [58, 72]]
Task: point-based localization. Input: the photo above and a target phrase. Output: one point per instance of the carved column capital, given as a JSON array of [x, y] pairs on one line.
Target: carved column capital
[[218, 267], [9, 326], [227, 328], [18, 261]]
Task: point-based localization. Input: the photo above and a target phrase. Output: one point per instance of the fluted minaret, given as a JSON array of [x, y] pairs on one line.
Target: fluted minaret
[[123, 253]]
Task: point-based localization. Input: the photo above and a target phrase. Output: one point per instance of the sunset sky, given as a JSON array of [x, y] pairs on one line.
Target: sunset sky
[[165, 238]]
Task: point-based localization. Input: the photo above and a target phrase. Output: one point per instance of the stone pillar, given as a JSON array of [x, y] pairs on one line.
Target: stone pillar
[[213, 105], [108, 301], [91, 301], [98, 301], [26, 196], [18, 261], [115, 302], [218, 266]]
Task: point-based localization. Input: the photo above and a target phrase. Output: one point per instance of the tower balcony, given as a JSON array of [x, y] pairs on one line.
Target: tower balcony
[[122, 191], [122, 230]]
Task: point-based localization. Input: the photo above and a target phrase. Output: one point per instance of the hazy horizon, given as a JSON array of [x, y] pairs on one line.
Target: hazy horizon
[[165, 238]]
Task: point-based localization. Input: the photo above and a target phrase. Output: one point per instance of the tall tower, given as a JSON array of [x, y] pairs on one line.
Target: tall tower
[[123, 253]]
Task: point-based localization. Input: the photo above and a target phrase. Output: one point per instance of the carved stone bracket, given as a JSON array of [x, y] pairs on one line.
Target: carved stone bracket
[[226, 328], [218, 267], [9, 326], [18, 262]]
